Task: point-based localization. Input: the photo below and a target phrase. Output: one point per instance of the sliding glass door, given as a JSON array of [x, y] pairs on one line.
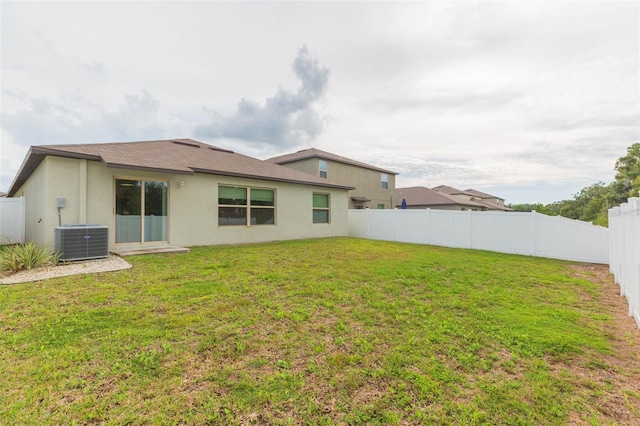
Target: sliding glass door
[[128, 211], [155, 211], [141, 211]]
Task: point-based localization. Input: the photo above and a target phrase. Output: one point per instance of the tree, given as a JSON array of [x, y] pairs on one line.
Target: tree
[[592, 203], [589, 205], [627, 183]]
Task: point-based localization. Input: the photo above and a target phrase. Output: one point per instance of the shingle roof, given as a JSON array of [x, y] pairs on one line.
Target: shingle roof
[[183, 156], [476, 197], [317, 153], [450, 190], [491, 206], [422, 196], [479, 194]]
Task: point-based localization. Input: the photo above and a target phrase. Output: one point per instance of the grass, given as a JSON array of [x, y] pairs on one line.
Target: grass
[[330, 331]]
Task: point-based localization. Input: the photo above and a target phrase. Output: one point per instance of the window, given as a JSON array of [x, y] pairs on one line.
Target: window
[[323, 169], [320, 208], [358, 207], [242, 206], [380, 206], [385, 180]]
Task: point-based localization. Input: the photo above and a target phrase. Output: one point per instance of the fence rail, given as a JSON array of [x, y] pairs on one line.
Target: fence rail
[[531, 234], [624, 243], [12, 220]]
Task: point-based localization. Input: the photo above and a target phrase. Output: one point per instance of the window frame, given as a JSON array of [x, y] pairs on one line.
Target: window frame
[[143, 208], [384, 179], [325, 169], [248, 206], [319, 209]]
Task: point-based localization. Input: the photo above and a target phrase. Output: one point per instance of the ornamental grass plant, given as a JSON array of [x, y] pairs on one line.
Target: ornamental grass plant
[[25, 257]]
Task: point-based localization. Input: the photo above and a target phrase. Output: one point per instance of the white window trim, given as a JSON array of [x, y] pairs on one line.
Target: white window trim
[[328, 208], [325, 170], [384, 178], [248, 206]]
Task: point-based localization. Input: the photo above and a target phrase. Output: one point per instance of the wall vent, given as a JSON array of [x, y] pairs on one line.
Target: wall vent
[[81, 242]]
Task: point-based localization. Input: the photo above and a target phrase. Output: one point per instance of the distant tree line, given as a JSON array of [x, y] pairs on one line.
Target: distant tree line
[[592, 203]]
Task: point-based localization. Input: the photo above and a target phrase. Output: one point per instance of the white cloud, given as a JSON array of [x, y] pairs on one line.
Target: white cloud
[[494, 94], [285, 119]]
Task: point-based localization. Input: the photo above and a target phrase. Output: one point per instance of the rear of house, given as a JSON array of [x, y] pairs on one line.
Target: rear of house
[[373, 187], [174, 192]]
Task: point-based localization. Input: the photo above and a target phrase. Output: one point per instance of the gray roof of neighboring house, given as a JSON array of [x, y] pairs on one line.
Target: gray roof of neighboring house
[[472, 192], [443, 196], [476, 193], [492, 206], [183, 156], [450, 190], [422, 196], [317, 153], [476, 196]]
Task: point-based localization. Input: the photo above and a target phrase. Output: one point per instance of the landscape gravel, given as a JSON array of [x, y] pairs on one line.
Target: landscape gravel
[[112, 263]]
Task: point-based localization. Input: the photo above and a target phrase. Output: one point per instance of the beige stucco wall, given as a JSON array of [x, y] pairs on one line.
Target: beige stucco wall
[[366, 181], [497, 201], [35, 192], [54, 178], [88, 187]]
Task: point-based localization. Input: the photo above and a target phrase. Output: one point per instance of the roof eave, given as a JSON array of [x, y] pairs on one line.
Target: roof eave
[[61, 153], [149, 169], [18, 180], [35, 156], [272, 179], [326, 157]]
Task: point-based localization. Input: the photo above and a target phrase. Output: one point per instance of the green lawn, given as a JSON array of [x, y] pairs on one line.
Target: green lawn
[[329, 331]]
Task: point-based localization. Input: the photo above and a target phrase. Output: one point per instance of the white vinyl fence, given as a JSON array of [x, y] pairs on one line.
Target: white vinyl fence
[[624, 246], [12, 220], [531, 234]]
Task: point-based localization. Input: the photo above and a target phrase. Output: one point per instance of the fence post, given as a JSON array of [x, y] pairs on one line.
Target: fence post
[[428, 225]]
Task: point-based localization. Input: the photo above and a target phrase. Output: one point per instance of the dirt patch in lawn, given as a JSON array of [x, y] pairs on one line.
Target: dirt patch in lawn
[[616, 378]]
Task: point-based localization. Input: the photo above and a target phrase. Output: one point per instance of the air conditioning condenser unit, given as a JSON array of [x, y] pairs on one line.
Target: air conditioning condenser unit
[[81, 242]]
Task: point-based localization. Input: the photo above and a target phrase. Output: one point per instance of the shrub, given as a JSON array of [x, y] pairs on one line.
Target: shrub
[[26, 256]]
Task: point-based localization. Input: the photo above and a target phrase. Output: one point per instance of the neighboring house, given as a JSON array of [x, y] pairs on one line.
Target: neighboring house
[[2, 194], [447, 198], [174, 192], [491, 202], [420, 197], [373, 187]]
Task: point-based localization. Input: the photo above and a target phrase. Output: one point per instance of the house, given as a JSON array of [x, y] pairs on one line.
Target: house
[[420, 197], [374, 187], [491, 202], [177, 192], [447, 198]]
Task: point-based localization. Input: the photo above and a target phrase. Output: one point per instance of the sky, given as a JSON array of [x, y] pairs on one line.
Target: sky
[[530, 101]]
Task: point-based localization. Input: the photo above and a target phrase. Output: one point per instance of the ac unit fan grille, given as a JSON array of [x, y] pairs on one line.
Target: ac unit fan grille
[[82, 242]]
